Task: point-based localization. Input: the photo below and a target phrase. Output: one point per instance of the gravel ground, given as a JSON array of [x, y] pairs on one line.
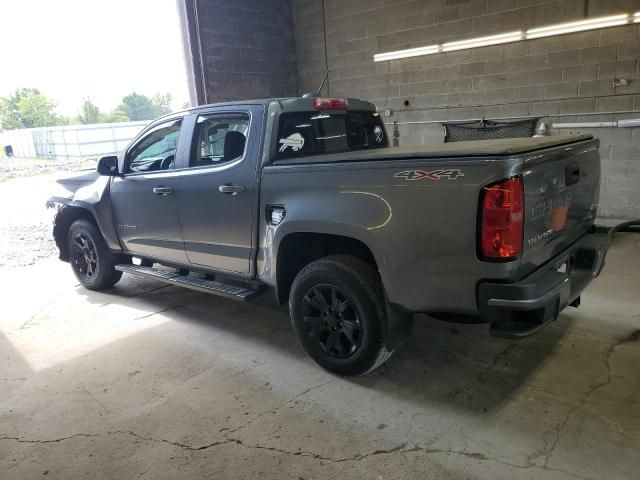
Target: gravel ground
[[25, 222], [12, 167]]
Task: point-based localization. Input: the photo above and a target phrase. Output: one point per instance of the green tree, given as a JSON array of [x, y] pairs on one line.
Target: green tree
[[9, 116], [27, 108], [89, 112], [64, 120], [162, 104], [141, 107], [137, 107], [113, 116]]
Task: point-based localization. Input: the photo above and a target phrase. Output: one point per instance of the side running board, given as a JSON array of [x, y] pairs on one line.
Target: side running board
[[187, 281]]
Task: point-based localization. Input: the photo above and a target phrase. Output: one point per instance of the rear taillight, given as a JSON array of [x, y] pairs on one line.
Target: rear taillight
[[323, 103], [502, 220]]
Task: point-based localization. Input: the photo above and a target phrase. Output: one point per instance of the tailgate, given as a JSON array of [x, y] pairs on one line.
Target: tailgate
[[562, 188]]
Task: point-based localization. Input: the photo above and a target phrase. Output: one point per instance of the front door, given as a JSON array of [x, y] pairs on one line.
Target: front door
[[218, 191], [144, 202]]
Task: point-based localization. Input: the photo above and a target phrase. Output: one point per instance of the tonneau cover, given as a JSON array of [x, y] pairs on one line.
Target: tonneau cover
[[476, 148]]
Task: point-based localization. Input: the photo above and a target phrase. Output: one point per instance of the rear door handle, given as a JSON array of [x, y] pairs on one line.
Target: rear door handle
[[163, 190], [232, 189]]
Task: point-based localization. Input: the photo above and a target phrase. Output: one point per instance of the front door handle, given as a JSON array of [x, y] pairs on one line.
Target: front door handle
[[232, 189], [163, 190]]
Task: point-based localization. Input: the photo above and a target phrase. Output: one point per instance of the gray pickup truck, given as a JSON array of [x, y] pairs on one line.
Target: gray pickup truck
[[304, 196]]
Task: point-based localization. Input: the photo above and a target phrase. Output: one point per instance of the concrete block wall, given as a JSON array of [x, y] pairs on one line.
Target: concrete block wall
[[565, 74], [247, 48]]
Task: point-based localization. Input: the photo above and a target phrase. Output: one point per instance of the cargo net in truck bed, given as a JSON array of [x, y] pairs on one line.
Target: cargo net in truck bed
[[488, 129]]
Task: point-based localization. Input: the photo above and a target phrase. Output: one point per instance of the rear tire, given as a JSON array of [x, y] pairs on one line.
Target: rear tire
[[91, 260], [338, 315]]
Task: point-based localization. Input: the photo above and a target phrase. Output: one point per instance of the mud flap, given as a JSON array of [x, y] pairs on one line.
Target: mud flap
[[399, 326]]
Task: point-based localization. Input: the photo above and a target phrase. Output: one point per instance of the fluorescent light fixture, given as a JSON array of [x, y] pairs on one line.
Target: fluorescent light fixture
[[483, 41], [580, 26], [410, 52], [558, 29]]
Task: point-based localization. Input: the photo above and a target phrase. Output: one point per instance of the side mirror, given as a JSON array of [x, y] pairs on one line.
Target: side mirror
[[108, 165]]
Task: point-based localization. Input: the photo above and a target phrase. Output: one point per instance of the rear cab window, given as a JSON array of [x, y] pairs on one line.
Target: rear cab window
[[302, 134]]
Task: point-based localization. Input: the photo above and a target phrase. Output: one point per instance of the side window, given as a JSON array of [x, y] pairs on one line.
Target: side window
[[219, 139], [156, 151]]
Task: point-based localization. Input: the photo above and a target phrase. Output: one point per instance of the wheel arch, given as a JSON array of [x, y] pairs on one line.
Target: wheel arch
[[67, 214], [298, 249]]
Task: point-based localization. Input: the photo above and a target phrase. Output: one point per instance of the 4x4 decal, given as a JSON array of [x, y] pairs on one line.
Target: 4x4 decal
[[450, 174]]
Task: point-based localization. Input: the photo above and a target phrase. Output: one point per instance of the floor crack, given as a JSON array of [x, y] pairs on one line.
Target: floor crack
[[115, 432], [136, 295], [172, 307], [54, 440], [36, 313], [276, 408], [399, 449], [550, 446], [302, 453], [501, 356]]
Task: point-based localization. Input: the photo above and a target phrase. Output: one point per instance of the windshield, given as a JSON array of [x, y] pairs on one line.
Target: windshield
[[302, 134]]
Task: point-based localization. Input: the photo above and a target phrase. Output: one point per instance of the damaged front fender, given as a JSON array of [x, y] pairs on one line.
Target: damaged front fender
[[84, 195]]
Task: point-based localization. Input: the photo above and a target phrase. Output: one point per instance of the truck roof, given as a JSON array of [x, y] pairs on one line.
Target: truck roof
[[287, 104]]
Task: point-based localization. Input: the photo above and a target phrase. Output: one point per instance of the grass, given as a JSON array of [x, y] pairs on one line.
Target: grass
[[13, 167]]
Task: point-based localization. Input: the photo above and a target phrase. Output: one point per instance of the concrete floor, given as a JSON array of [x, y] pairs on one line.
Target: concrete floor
[[156, 382]]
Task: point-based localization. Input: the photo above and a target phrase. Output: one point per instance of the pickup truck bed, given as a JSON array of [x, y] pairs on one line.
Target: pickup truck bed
[[360, 195], [476, 148]]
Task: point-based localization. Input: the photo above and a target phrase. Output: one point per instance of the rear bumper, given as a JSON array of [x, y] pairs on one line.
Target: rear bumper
[[522, 308]]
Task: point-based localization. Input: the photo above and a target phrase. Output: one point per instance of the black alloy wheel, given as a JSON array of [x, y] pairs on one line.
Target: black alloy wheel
[[337, 310], [84, 255], [332, 320], [91, 260]]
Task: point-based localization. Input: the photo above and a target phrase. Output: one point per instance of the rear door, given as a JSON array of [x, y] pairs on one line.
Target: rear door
[[144, 198], [562, 189], [219, 189]]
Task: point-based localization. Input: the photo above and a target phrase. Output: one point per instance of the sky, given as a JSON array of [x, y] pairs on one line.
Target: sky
[[103, 50]]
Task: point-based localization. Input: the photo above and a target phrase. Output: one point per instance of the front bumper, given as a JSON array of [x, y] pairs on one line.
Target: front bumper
[[522, 308]]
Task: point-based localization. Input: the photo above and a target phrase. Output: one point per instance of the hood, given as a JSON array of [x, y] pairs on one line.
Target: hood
[[75, 180]]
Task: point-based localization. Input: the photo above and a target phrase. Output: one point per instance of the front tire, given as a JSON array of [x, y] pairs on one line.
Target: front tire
[[338, 314], [91, 260]]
